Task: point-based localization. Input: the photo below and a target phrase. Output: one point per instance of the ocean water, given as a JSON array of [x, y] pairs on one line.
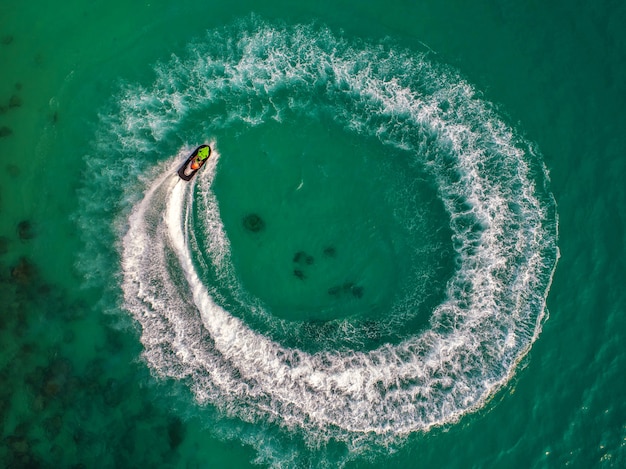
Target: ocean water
[[406, 250]]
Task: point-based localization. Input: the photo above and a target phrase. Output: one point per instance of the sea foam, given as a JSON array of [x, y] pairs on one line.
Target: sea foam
[[490, 180]]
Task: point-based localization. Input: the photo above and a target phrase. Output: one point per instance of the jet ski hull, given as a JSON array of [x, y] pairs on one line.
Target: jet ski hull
[[185, 172]]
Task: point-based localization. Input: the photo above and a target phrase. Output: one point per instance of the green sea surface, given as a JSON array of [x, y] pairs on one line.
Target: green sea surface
[[408, 248]]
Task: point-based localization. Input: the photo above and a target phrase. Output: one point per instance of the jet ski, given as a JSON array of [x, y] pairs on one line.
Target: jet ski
[[195, 161]]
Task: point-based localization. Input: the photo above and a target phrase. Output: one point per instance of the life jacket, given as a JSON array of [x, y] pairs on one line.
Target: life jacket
[[203, 154]]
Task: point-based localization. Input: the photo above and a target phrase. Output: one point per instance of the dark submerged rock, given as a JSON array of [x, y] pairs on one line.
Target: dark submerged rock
[[17, 444], [254, 223], [330, 251], [53, 425], [15, 101], [302, 257], [84, 437], [299, 274], [128, 440], [113, 393], [4, 245], [25, 230], [175, 432], [20, 452], [57, 377], [357, 291], [347, 287], [5, 131], [45, 289], [24, 272]]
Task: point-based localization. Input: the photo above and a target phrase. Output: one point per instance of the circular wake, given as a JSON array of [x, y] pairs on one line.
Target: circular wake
[[176, 255]]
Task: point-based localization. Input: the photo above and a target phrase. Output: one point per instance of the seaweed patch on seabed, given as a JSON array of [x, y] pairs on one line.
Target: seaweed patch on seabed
[[64, 401], [15, 101], [346, 289], [24, 272], [25, 230], [253, 223], [302, 260], [5, 131], [330, 251], [175, 432], [4, 244], [302, 257]]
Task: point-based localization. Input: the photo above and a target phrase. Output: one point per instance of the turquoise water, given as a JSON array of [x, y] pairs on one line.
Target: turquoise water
[[407, 248]]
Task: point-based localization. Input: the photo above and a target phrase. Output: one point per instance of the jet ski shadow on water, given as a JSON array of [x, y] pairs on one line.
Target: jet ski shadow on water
[[195, 161]]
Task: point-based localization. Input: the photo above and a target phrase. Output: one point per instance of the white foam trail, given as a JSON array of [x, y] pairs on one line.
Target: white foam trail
[[504, 234]]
